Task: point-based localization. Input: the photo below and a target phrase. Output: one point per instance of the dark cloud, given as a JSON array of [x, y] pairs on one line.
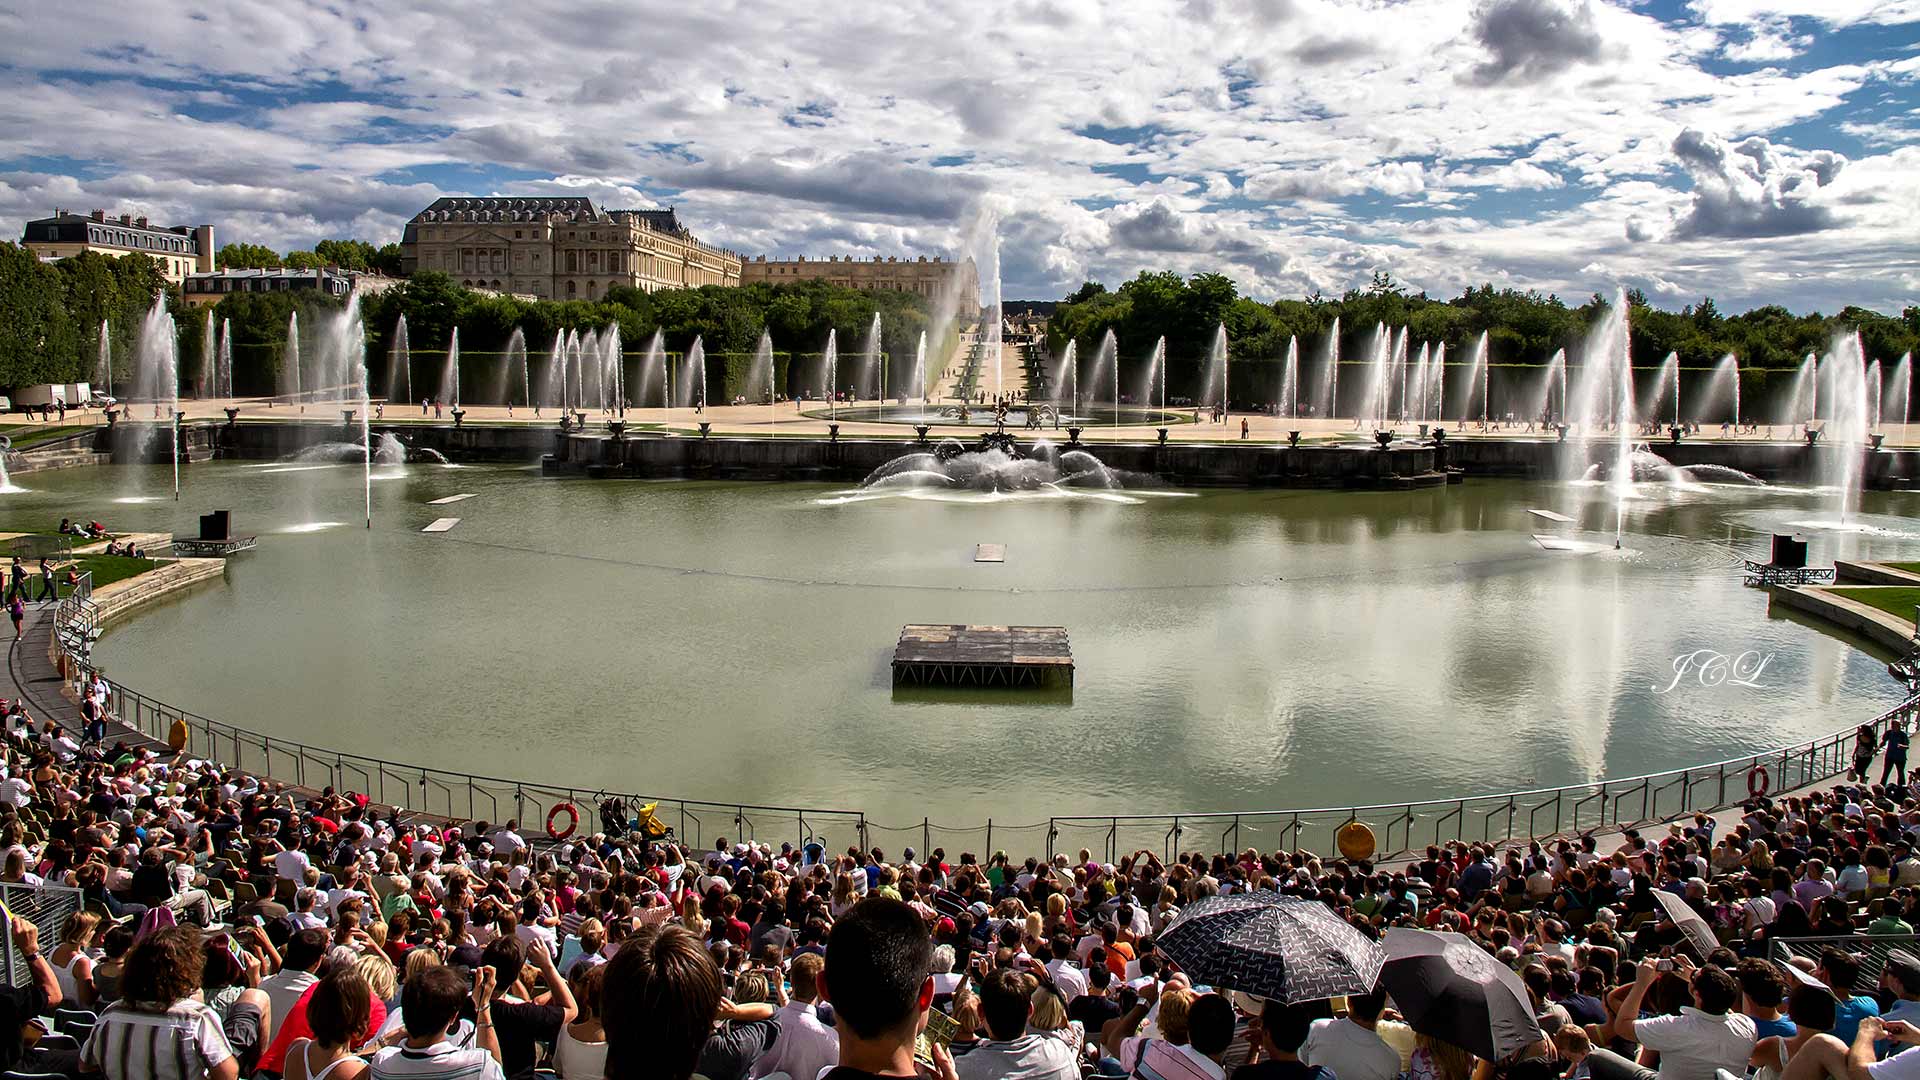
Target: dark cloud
[[1321, 50], [871, 183], [1160, 226], [1530, 40], [1753, 188]]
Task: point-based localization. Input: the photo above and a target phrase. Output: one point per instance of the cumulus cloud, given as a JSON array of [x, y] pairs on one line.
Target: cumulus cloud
[[1530, 40], [1339, 179], [1748, 189]]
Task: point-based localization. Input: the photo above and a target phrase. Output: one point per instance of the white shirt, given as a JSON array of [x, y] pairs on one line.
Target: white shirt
[[283, 988], [291, 865], [1694, 1043], [1029, 1057], [440, 1059], [1071, 980], [805, 1046], [1351, 1051], [1904, 1065], [128, 1045], [17, 790]]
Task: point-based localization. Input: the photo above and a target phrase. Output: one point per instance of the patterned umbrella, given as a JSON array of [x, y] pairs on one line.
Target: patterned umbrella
[[1275, 946], [1448, 987]]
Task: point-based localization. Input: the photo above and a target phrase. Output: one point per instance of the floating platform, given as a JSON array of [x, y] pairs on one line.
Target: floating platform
[[451, 499], [990, 553], [192, 547], [441, 525], [948, 654]]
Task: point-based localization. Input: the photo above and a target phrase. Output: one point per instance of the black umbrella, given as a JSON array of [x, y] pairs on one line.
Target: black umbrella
[[1448, 987], [1275, 946]]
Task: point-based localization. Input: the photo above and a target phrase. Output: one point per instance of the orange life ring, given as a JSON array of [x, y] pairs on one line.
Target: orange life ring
[[1758, 781], [573, 820]]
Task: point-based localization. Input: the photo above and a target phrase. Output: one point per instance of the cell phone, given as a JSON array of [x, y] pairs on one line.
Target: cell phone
[[259, 921], [1663, 965]]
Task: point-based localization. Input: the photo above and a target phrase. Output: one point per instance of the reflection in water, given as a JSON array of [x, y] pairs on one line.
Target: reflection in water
[[1235, 649]]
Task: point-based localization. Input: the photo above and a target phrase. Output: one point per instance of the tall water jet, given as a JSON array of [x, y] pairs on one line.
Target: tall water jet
[[981, 234], [1437, 385], [1156, 372], [1873, 396], [872, 376], [290, 361], [1665, 383], [1330, 371], [1555, 377], [1214, 392], [830, 371], [400, 363], [653, 368], [450, 371], [615, 368], [1106, 369], [1065, 373], [1723, 393], [920, 365], [513, 363], [1899, 398], [223, 367], [208, 382], [106, 360], [1804, 402], [1606, 395], [1477, 382], [556, 377], [760, 376], [1379, 358], [1846, 430], [1422, 370], [1290, 380], [1397, 376], [696, 361], [157, 373]]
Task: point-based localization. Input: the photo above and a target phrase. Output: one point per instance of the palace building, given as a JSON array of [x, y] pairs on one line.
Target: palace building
[[560, 248], [180, 250], [933, 278]]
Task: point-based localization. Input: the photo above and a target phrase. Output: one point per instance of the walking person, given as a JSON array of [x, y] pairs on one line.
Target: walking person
[[1863, 741], [49, 592], [18, 610], [16, 580], [1894, 742]]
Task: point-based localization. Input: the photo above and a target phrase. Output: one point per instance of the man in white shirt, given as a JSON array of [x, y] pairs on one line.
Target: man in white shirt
[[291, 866], [1010, 1052], [298, 962], [1070, 979], [1350, 1046], [805, 1046], [1710, 1034]]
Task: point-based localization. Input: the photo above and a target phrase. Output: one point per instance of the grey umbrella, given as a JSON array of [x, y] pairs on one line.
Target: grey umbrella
[[1275, 946], [1448, 987], [1694, 928]]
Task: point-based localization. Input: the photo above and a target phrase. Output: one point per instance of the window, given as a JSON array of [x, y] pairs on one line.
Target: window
[[516, 234], [569, 288]]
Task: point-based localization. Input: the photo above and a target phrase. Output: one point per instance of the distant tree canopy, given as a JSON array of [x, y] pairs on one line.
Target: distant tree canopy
[[1521, 327], [345, 254], [50, 313]]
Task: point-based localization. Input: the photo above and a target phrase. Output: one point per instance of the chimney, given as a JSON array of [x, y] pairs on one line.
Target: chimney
[[126, 219], [100, 215], [140, 221], [203, 243]]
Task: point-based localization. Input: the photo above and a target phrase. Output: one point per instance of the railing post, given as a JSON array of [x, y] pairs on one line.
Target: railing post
[[926, 835], [989, 834]]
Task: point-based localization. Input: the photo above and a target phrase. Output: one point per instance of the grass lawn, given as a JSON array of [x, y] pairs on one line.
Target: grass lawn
[[27, 436], [1897, 600], [1909, 567]]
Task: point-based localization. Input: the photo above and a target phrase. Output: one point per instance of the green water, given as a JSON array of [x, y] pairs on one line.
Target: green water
[[731, 641]]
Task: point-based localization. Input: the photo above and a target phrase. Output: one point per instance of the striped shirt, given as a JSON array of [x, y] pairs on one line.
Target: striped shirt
[[443, 1061], [181, 1042]]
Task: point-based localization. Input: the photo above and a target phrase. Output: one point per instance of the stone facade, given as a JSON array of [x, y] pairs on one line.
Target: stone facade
[[560, 248], [931, 278], [180, 250]]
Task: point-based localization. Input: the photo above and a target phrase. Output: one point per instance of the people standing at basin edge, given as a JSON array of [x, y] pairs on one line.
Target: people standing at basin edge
[[1894, 742]]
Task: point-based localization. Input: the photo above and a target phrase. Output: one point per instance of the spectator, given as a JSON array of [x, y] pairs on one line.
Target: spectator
[[431, 1003], [296, 976], [877, 980], [521, 1022], [662, 995], [340, 1014], [806, 1047], [581, 1052], [1351, 1047], [1708, 1035], [1278, 1035], [1010, 1050], [1840, 970], [158, 1030]]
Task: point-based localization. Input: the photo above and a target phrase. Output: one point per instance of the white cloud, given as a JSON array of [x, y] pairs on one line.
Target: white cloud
[[1298, 144]]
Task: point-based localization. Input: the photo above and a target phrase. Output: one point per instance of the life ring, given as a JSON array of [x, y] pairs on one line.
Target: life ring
[[1758, 781], [1355, 841], [573, 820]]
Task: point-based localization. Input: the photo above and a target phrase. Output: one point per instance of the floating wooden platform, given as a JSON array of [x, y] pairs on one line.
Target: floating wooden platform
[[441, 525], [451, 499], [191, 547], [950, 654], [989, 553]]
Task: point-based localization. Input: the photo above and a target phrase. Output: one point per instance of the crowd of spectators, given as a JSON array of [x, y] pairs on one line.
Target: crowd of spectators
[[235, 928]]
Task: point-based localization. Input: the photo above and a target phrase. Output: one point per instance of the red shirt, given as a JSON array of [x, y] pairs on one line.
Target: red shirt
[[295, 1027]]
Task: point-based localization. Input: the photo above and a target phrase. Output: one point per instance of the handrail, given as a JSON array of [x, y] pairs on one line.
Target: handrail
[[1493, 816]]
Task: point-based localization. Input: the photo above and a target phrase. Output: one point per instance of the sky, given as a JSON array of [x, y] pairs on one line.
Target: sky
[[1754, 151]]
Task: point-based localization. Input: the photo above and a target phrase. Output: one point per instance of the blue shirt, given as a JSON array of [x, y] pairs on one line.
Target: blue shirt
[[1848, 1014], [1782, 1027]]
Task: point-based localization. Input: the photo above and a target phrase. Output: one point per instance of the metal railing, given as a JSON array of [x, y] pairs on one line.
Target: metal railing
[[1401, 828], [1872, 950], [47, 907]]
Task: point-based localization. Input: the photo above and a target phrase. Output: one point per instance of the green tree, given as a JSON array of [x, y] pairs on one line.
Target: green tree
[[303, 260], [36, 335], [246, 257]]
